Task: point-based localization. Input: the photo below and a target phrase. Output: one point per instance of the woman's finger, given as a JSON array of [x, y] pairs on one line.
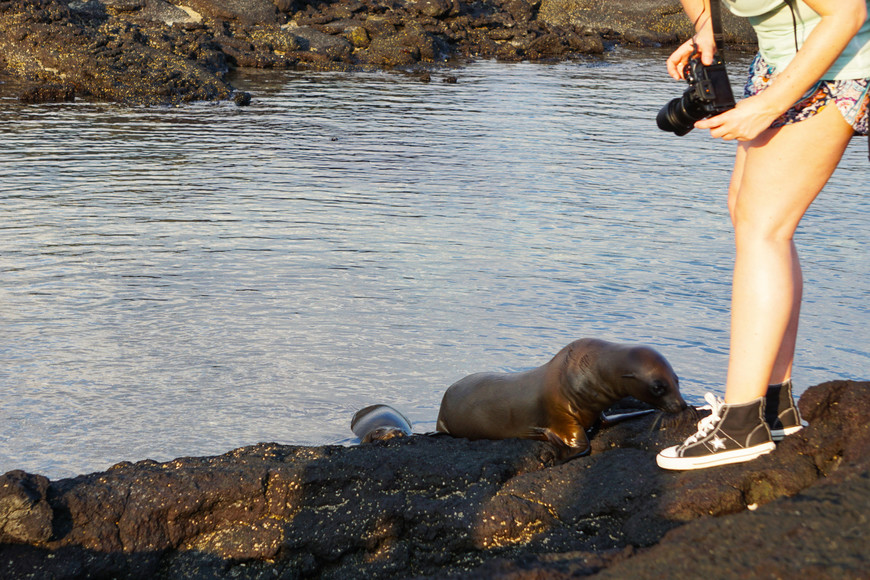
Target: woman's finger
[[678, 59]]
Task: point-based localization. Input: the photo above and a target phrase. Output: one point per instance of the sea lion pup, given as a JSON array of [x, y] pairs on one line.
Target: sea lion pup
[[379, 423], [560, 400]]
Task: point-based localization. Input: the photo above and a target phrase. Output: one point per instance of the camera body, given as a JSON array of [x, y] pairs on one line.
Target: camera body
[[709, 94]]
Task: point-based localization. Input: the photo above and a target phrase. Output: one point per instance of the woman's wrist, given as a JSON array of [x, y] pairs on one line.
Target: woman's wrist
[[770, 104]]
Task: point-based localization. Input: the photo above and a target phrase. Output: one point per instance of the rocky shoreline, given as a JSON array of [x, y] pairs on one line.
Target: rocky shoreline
[[418, 507], [438, 507], [168, 52]]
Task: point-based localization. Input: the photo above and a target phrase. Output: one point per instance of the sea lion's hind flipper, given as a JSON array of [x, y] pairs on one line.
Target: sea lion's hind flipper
[[436, 434]]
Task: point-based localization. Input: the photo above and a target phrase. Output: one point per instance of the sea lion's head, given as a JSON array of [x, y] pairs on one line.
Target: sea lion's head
[[648, 376]]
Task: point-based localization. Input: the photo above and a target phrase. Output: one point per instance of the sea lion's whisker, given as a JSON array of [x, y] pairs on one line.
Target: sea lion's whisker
[[656, 422]]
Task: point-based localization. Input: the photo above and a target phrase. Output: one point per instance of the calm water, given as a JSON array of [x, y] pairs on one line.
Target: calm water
[[186, 281]]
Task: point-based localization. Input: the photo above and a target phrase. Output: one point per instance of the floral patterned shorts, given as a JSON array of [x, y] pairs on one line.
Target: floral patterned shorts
[[852, 97]]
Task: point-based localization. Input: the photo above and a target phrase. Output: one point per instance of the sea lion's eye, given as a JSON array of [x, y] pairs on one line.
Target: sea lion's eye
[[658, 388]]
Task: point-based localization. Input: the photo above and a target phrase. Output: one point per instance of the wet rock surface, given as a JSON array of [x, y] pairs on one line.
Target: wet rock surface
[[171, 52], [437, 507]]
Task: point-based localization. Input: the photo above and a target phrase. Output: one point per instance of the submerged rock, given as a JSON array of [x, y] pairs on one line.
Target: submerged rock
[[439, 507], [175, 51]]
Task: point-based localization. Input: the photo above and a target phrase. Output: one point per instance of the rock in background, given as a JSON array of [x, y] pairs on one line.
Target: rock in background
[[440, 507], [162, 52], [644, 22]]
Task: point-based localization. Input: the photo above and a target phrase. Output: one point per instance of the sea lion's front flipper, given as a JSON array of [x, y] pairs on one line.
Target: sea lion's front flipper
[[564, 451]]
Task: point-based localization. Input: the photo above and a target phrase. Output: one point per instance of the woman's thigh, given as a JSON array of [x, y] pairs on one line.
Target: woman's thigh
[[778, 174]]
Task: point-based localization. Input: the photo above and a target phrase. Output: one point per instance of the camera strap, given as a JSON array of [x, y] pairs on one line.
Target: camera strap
[[716, 20]]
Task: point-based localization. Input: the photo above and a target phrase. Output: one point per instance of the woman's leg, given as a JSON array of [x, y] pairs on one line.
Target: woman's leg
[[785, 357], [776, 177]]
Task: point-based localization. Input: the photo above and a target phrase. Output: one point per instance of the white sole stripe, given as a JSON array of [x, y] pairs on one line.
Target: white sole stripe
[[722, 458]]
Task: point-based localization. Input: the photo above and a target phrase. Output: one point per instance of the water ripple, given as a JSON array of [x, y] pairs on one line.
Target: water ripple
[[185, 281]]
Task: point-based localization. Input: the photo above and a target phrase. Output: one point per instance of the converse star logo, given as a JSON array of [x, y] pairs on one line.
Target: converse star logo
[[717, 443]]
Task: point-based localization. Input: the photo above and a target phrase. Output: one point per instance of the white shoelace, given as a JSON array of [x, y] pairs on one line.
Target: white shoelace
[[707, 424]]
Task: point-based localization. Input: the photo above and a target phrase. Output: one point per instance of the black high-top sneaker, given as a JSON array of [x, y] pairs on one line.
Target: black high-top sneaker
[[732, 434], [780, 412]]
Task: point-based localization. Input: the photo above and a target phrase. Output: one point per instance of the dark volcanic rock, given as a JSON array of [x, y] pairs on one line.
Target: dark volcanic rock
[[640, 22], [83, 47], [433, 8], [332, 48], [154, 11], [817, 519], [246, 11], [442, 507], [25, 515], [174, 51], [407, 47], [48, 93]]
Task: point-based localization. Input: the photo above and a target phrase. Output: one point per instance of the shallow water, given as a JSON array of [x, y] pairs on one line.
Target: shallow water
[[186, 281]]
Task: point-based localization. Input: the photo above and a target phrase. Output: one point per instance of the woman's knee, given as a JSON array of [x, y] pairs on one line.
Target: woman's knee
[[756, 226]]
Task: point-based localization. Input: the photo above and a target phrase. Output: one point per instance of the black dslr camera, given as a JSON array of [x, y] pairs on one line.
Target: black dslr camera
[[709, 94]]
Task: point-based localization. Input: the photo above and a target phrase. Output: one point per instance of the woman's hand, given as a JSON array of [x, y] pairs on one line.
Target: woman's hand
[[840, 21], [679, 58], [702, 43], [744, 122]]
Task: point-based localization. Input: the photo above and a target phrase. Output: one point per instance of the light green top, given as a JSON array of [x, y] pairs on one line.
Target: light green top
[[773, 23]]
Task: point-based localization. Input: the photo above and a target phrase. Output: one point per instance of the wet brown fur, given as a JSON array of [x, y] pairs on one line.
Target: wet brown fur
[[676, 422], [560, 400]]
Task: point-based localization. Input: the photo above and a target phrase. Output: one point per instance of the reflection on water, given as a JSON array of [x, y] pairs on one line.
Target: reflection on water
[[186, 281]]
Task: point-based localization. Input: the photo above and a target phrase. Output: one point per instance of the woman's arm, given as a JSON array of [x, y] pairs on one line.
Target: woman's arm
[[841, 20], [698, 12]]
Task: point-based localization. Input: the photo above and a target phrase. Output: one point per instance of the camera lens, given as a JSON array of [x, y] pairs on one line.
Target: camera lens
[[679, 115]]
